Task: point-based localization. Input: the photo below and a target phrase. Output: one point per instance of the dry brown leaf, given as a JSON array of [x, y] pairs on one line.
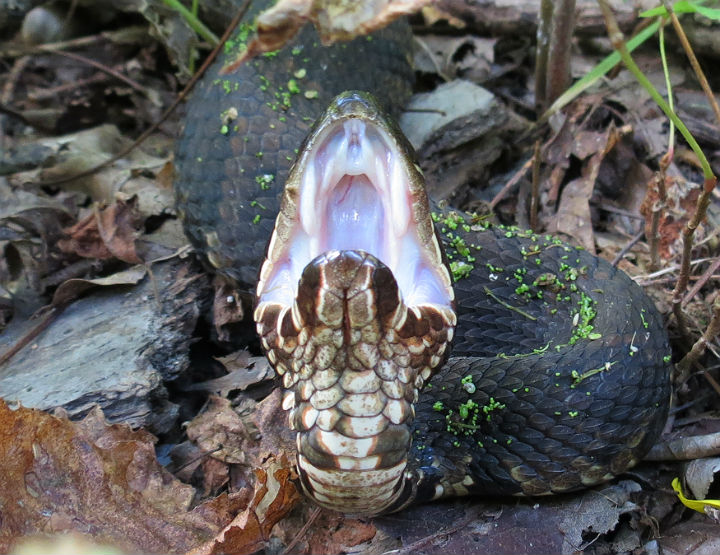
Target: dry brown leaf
[[227, 307], [215, 475], [71, 289], [106, 233], [118, 226], [221, 432], [682, 198], [243, 371], [95, 479], [335, 20], [573, 215], [335, 533], [275, 496]]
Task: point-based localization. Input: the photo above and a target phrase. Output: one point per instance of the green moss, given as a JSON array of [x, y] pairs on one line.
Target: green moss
[[460, 269], [583, 328], [264, 180], [293, 86]]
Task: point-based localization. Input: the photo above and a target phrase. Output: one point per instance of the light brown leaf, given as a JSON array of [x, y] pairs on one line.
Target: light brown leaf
[[98, 480], [106, 233], [275, 496], [573, 215], [71, 289], [221, 431]]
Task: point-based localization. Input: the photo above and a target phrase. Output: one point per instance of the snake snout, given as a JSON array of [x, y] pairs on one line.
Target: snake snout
[[349, 288]]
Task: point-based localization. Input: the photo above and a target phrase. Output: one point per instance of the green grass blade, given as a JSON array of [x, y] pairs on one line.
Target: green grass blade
[[599, 71]]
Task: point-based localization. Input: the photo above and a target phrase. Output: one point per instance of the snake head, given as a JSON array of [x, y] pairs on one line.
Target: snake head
[[355, 306]]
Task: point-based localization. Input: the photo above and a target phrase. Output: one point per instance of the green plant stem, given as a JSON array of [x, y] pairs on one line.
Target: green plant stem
[[693, 60], [598, 72], [668, 87], [194, 22], [661, 202], [617, 39]]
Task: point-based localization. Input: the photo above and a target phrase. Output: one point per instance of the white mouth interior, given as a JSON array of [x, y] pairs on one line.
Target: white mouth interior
[[355, 195]]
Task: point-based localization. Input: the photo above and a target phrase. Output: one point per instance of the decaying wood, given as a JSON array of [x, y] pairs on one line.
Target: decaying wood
[[114, 348], [521, 16]]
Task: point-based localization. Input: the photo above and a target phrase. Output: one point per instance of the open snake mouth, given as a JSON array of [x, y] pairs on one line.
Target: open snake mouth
[[355, 306], [355, 187]]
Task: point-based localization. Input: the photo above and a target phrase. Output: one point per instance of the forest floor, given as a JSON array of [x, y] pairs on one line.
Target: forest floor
[[127, 419]]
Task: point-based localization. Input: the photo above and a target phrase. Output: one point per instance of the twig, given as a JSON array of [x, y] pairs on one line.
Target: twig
[[42, 94], [702, 281], [24, 50], [541, 57], [645, 279], [105, 69], [302, 532], [686, 448], [710, 180], [199, 457], [21, 117], [554, 40], [559, 49], [693, 59], [149, 131], [535, 190], [627, 247], [511, 183], [48, 319], [698, 349], [661, 203], [615, 210], [423, 542]]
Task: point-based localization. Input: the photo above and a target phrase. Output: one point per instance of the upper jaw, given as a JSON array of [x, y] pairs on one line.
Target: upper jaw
[[356, 187]]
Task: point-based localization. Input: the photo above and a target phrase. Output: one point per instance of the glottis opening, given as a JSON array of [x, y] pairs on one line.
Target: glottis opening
[[354, 188]]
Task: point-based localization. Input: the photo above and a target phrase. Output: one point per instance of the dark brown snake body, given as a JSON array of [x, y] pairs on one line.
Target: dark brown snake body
[[559, 375]]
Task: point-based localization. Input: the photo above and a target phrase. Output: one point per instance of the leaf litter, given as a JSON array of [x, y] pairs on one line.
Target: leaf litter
[[60, 242]]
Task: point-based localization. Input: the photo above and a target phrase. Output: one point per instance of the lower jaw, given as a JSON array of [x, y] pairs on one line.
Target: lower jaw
[[354, 492]]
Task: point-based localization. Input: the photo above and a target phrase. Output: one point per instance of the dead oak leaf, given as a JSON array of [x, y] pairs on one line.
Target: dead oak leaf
[[275, 496], [106, 233], [681, 202], [221, 432], [573, 216], [98, 480]]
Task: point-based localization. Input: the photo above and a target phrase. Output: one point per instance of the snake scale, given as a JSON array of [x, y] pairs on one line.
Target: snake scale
[[559, 374]]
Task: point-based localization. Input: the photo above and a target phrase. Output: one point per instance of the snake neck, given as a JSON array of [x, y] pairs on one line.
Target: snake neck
[[353, 358]]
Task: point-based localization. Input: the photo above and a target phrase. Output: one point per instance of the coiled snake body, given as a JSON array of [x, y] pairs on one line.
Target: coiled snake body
[[559, 375]]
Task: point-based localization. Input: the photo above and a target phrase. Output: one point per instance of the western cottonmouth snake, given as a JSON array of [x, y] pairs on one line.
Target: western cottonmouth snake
[[559, 377]]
